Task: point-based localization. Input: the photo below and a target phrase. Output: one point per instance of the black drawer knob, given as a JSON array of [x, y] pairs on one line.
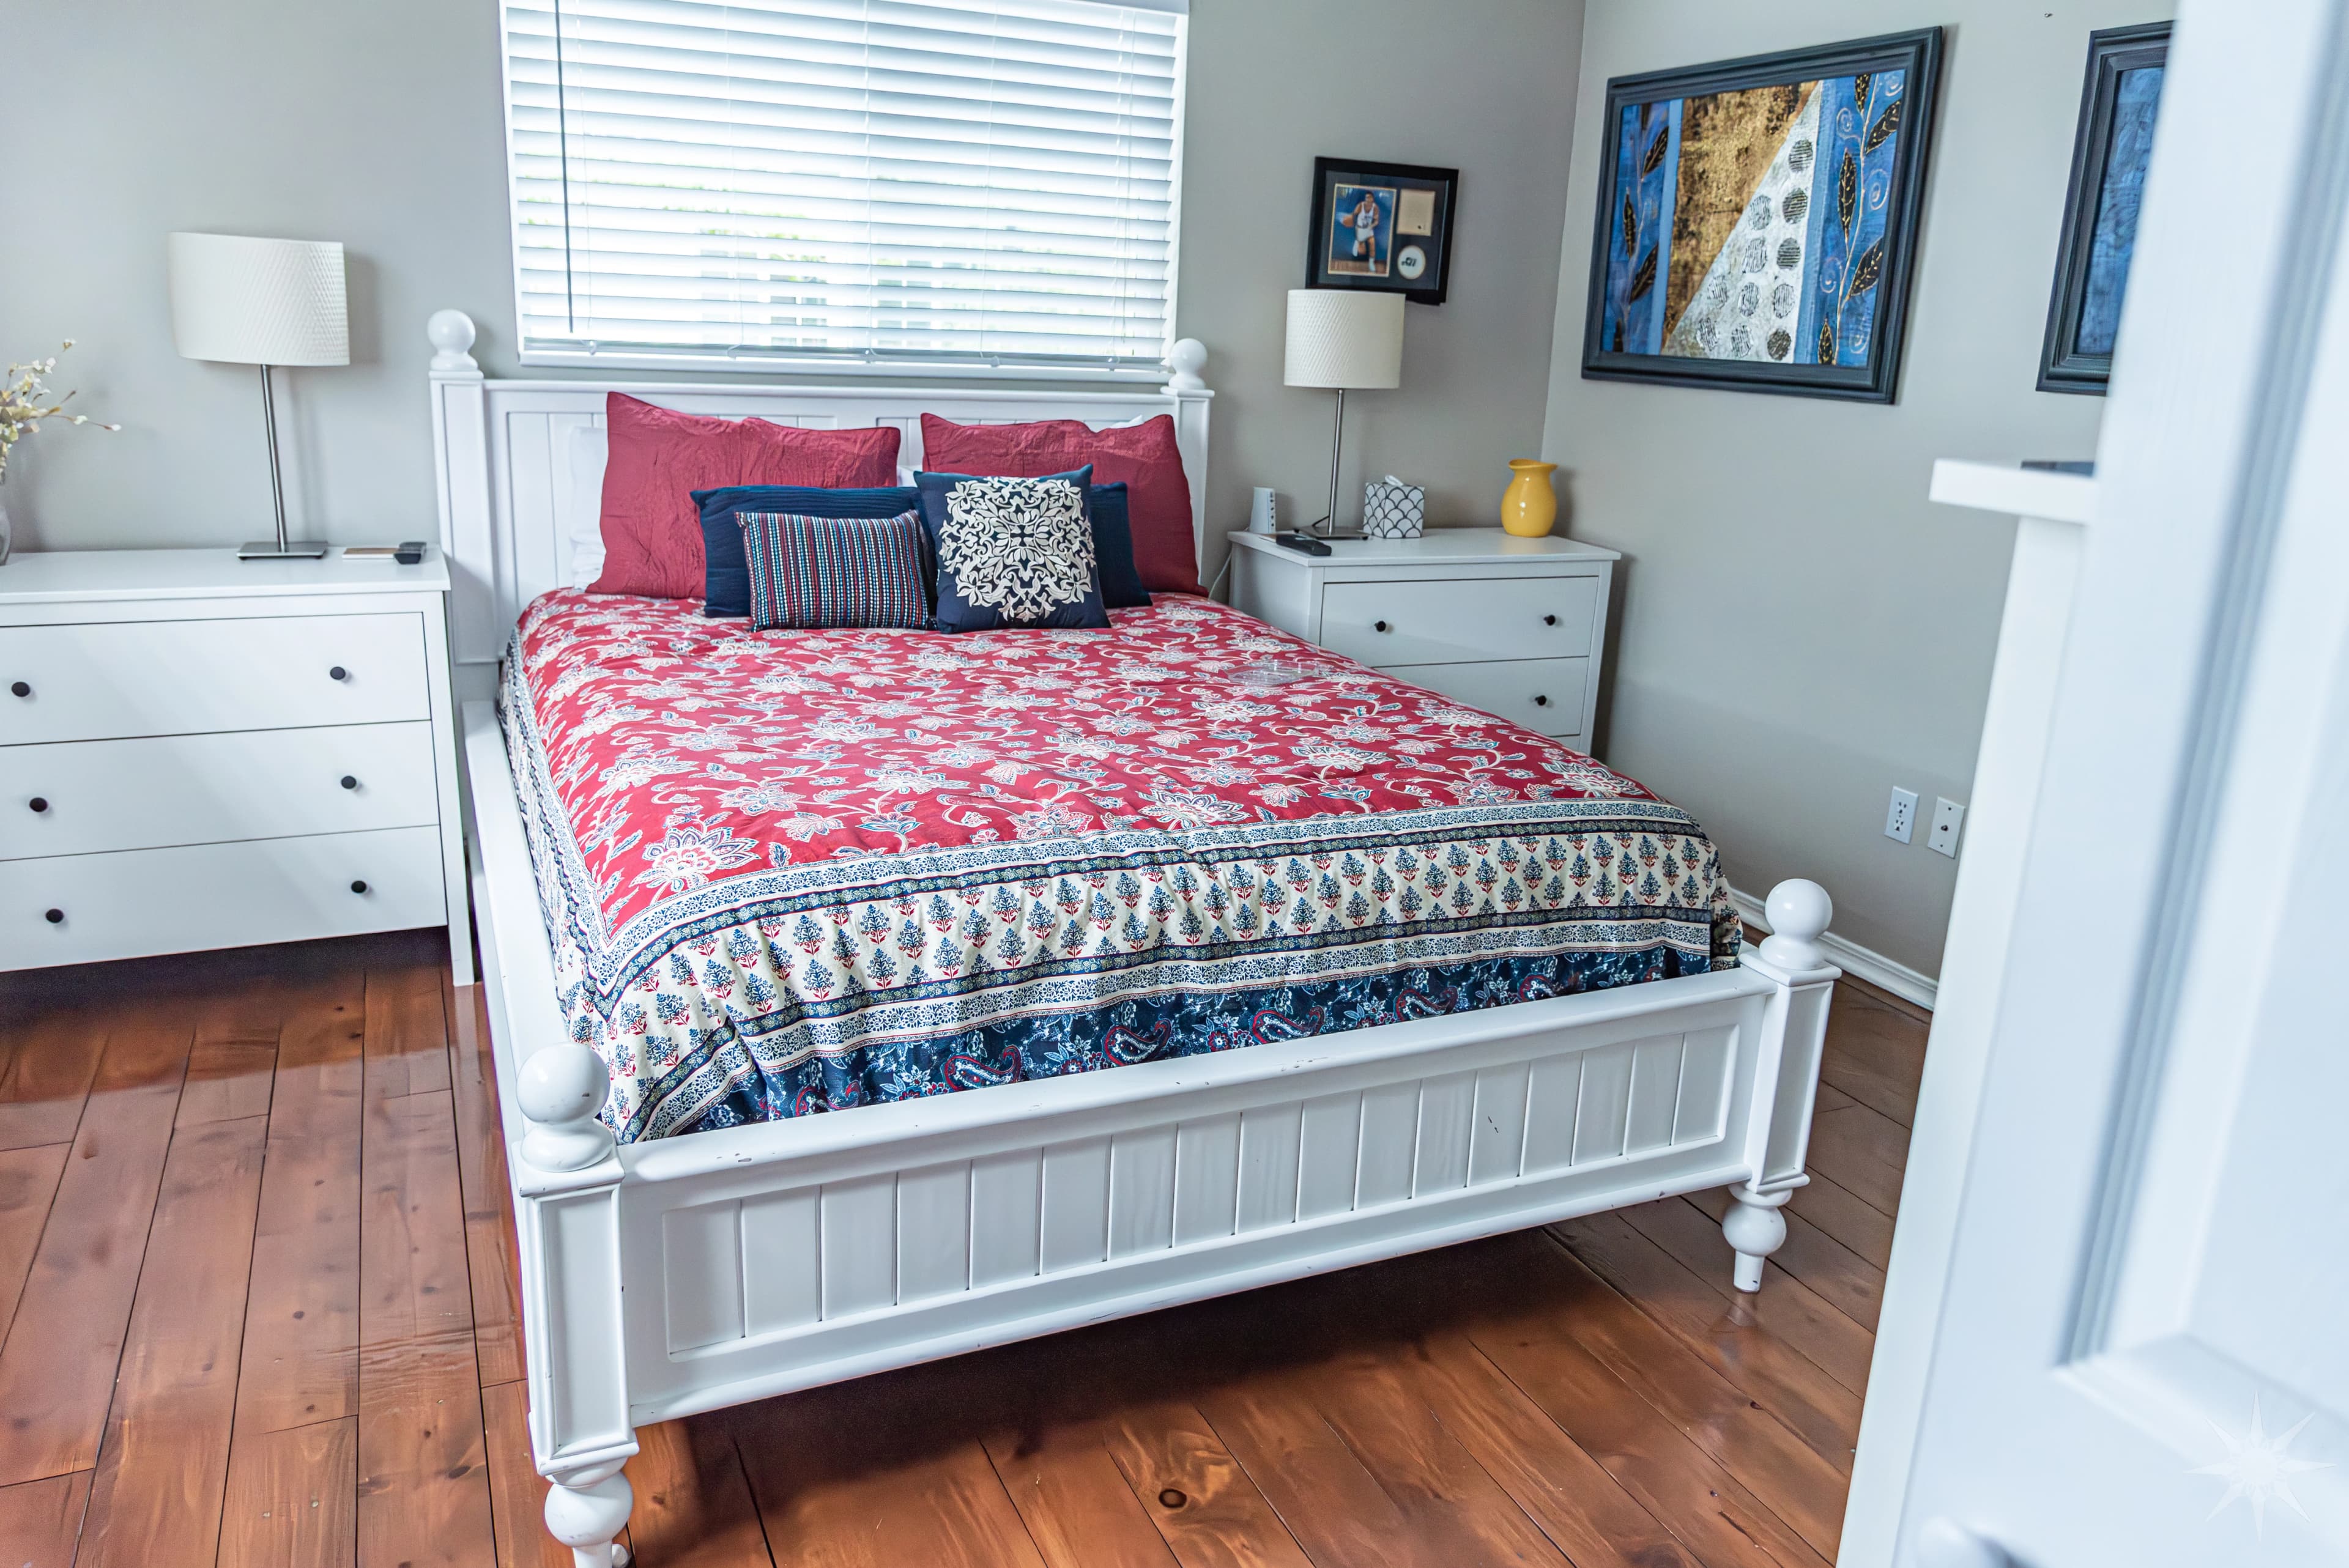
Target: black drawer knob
[[1549, 620], [358, 886], [1379, 626], [54, 916], [19, 689], [1541, 702], [38, 804], [338, 673], [349, 782]]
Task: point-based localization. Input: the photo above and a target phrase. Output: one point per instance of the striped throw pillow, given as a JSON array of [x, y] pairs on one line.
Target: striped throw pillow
[[808, 573]]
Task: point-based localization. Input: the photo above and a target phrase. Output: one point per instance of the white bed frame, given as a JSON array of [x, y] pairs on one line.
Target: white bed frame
[[684, 1275]]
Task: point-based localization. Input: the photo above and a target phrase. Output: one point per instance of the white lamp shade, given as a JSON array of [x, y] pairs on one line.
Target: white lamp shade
[[259, 302], [1339, 337]]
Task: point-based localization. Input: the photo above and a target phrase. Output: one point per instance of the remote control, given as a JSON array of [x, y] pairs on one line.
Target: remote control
[[407, 552]]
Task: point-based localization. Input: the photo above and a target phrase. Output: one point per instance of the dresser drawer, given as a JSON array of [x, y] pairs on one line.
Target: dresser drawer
[[100, 795], [1546, 696], [98, 681], [1459, 620], [203, 896]]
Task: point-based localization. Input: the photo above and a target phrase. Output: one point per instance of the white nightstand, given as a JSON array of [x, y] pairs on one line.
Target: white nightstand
[[199, 752], [1514, 626]]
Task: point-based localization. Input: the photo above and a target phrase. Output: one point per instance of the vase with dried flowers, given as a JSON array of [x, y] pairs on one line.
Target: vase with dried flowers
[[23, 404]]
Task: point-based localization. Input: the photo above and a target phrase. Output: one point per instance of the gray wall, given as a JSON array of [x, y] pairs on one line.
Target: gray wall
[[1799, 629], [379, 125], [1485, 86]]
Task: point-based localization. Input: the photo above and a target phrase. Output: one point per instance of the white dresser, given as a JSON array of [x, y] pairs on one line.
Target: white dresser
[[1513, 627], [199, 752]]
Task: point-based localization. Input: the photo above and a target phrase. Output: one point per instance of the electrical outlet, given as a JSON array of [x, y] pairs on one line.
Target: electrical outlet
[[1948, 817], [1902, 819]]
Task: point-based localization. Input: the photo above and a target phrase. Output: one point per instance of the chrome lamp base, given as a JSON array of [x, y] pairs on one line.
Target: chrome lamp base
[[280, 547]]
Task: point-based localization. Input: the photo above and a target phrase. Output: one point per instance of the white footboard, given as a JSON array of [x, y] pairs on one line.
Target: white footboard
[[764, 1259], [820, 1250]]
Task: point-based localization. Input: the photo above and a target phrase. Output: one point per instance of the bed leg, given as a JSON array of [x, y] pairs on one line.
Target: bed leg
[[586, 1510], [1793, 1040], [1757, 1229], [567, 1166]]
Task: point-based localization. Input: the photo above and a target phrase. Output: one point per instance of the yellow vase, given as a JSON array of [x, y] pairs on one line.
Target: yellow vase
[[1529, 507]]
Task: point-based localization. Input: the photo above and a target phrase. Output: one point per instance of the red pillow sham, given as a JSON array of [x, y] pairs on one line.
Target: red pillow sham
[[659, 457], [1143, 456]]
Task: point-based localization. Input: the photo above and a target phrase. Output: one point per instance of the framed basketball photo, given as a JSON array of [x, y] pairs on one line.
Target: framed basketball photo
[[1382, 226]]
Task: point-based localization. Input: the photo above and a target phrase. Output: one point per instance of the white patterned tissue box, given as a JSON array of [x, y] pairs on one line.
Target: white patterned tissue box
[[1394, 510]]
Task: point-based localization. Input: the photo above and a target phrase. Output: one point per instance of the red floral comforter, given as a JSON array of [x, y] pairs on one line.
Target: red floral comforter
[[693, 787]]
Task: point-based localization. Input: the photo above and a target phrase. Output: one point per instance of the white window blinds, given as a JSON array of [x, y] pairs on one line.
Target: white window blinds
[[851, 181]]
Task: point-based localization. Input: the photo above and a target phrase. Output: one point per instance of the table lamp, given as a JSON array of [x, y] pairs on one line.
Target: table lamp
[[239, 300], [1345, 340]]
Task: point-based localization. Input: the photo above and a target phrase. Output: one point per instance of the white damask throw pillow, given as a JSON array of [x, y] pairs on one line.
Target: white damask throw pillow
[[1012, 553]]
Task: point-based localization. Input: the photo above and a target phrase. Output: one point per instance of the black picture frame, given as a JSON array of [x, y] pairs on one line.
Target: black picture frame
[[1918, 55], [2063, 367], [1384, 272]]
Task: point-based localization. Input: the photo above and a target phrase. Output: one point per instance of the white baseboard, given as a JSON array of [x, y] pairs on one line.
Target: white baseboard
[[1862, 962]]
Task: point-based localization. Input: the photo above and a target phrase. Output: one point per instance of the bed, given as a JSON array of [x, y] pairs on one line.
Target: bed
[[861, 998]]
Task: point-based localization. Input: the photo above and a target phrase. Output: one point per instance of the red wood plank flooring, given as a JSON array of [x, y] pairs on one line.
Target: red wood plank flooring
[[258, 1307]]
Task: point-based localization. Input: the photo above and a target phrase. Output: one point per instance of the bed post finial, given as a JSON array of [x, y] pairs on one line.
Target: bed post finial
[[451, 332], [1799, 913], [1185, 360], [562, 1087]]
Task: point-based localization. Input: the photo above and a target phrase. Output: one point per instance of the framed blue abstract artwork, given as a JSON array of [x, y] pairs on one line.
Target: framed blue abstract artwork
[[2109, 155], [1757, 220]]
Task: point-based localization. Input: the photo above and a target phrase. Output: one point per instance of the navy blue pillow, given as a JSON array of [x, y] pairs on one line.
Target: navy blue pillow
[[1013, 552], [726, 581], [1120, 584]]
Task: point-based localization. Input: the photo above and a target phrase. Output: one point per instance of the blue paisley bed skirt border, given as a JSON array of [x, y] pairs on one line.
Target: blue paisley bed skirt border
[[1184, 1024]]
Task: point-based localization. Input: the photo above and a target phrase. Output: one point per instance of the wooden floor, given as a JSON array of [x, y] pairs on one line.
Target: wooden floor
[[257, 1297]]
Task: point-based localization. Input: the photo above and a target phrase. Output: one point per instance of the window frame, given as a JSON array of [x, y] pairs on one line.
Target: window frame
[[802, 366]]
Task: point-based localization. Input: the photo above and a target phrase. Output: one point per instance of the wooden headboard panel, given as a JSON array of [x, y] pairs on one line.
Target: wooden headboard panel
[[520, 463]]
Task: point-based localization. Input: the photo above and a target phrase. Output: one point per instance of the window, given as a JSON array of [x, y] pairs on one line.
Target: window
[[876, 182]]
